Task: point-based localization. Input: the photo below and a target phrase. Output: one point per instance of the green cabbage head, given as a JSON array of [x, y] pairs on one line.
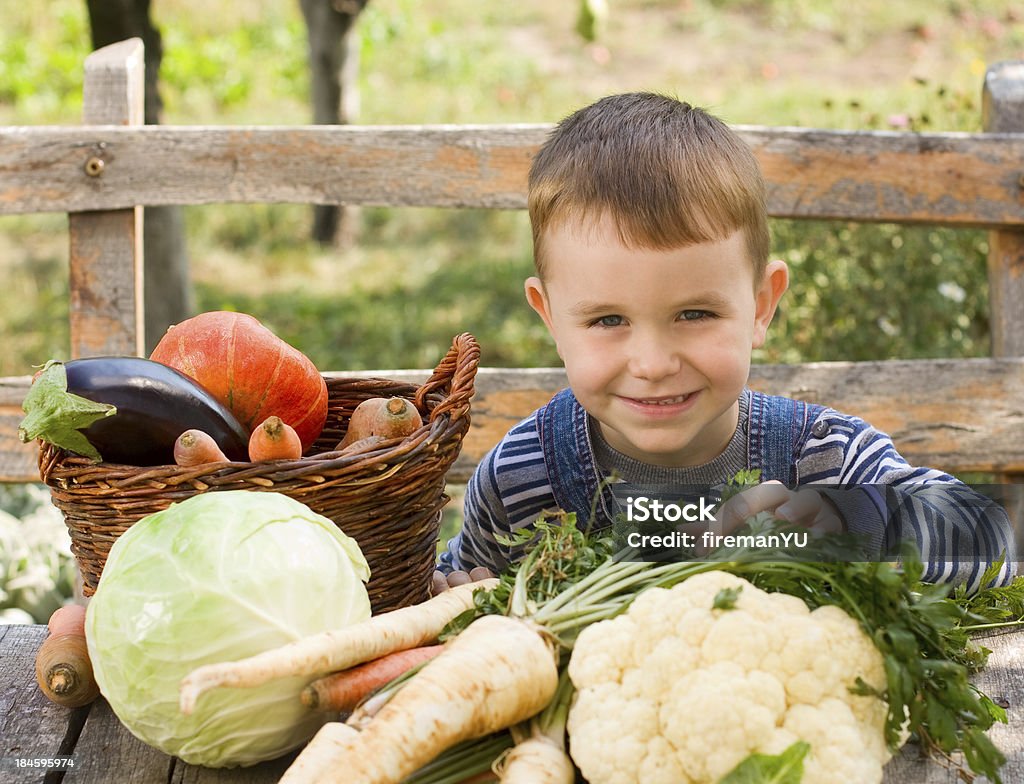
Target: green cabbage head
[[221, 576]]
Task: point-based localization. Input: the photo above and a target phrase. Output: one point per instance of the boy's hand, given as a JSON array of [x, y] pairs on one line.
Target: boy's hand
[[440, 583], [804, 507]]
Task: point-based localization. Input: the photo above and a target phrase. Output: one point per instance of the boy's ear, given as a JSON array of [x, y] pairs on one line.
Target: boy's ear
[[766, 299], [538, 300]]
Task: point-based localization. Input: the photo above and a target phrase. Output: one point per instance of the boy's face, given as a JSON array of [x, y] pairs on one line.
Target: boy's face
[[656, 344]]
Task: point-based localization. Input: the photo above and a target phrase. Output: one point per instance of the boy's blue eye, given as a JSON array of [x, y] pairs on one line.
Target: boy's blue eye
[[608, 321], [694, 315]]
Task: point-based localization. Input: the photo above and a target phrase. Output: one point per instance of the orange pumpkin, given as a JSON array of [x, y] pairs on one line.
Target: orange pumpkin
[[249, 369]]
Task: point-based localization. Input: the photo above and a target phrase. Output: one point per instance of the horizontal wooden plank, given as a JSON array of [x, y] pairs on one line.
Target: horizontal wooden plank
[[944, 178], [958, 415]]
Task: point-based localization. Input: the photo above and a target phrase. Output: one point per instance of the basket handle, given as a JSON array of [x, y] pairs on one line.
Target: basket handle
[[456, 370]]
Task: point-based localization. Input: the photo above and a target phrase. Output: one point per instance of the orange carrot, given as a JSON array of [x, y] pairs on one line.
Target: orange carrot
[[195, 447], [63, 669], [274, 439], [342, 691], [389, 417], [69, 619]]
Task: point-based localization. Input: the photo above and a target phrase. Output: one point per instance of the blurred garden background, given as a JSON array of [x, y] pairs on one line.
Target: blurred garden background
[[402, 282]]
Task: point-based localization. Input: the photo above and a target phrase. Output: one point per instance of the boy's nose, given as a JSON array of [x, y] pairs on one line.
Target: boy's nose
[[652, 358]]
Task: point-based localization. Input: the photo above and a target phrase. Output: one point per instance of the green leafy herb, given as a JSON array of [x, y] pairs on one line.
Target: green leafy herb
[[996, 606], [726, 598], [57, 416], [784, 768]]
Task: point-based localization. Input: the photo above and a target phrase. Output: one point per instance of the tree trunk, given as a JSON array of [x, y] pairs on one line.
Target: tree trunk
[[167, 295], [333, 66]]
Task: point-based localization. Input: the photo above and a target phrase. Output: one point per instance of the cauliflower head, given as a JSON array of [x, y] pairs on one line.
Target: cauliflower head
[[675, 691]]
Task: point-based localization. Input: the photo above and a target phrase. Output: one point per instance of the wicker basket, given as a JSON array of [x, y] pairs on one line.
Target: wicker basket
[[389, 499]]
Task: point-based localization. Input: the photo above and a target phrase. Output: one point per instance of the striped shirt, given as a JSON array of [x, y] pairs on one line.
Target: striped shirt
[[953, 525]]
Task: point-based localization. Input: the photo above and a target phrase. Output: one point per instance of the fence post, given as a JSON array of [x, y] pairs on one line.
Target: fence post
[[1003, 112], [106, 246]]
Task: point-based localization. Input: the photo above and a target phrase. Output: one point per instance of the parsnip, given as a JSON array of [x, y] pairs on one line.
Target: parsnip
[[497, 672], [539, 756], [334, 740], [320, 654], [537, 760]]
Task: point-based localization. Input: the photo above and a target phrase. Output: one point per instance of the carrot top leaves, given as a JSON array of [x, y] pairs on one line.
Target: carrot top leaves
[[558, 556]]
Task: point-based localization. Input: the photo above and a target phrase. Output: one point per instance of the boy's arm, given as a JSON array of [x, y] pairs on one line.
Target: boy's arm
[[852, 478], [507, 491], [958, 530], [483, 517]]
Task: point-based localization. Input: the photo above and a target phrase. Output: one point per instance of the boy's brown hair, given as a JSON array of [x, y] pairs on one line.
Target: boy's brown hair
[[667, 173]]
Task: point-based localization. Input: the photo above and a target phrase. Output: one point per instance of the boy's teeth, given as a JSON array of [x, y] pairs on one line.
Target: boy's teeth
[[665, 401]]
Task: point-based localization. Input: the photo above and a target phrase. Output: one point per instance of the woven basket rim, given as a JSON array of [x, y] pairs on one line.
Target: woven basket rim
[[447, 416]]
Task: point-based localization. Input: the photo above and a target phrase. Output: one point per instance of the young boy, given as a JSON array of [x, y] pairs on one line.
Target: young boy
[[653, 277]]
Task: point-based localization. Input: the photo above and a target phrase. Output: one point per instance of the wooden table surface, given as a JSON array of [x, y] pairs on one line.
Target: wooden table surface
[[102, 751]]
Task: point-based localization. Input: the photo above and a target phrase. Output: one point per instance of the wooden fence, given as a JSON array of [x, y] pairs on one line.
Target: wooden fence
[[960, 415]]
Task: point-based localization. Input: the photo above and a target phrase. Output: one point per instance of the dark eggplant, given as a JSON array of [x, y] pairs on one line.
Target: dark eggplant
[[155, 404]]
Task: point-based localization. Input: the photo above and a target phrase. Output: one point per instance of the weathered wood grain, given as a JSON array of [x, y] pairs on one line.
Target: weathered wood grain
[[106, 751], [958, 415], [31, 727], [114, 78], [264, 773], [943, 178], [105, 308], [17, 460]]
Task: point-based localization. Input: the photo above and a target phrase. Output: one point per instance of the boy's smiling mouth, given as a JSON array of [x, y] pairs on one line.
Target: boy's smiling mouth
[[660, 403]]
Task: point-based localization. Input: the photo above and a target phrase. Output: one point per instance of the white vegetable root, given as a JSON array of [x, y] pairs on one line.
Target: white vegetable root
[[497, 672], [319, 654], [536, 760]]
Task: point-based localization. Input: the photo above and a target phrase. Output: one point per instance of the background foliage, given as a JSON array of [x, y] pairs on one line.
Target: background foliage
[[415, 277]]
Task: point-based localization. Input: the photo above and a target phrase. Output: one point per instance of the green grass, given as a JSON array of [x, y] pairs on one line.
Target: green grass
[[416, 277]]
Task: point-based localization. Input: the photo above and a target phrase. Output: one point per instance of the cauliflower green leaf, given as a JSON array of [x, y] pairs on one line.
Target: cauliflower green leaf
[[784, 768]]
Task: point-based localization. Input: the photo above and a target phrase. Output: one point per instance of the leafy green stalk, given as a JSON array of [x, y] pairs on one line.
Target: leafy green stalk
[[463, 761]]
